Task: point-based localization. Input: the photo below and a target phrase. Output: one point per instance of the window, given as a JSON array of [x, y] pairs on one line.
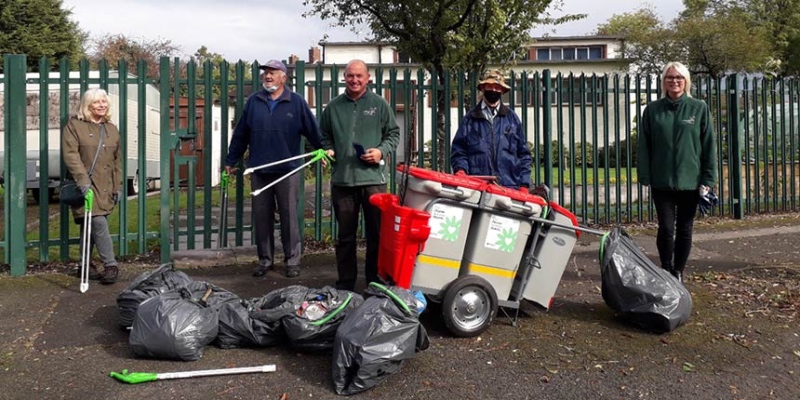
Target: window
[[569, 53], [542, 54]]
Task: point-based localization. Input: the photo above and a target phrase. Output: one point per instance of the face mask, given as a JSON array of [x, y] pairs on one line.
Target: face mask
[[491, 96], [269, 89]]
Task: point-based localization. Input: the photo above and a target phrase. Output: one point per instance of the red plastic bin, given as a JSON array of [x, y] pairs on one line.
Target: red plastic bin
[[404, 231]]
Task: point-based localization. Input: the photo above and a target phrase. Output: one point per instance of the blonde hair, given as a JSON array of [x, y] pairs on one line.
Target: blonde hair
[[683, 71], [89, 97]]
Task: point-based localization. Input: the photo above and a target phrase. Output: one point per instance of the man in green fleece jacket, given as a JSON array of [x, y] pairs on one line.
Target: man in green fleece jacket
[[677, 158], [359, 130]]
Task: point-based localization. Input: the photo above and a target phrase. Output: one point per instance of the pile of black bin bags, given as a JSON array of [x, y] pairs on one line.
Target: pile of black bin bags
[[646, 295], [170, 316]]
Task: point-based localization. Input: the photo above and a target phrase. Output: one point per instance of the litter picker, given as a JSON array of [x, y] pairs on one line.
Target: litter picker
[[142, 377], [86, 242], [318, 154], [222, 235]]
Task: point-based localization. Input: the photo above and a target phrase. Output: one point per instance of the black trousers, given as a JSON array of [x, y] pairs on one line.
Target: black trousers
[[675, 210], [347, 203]]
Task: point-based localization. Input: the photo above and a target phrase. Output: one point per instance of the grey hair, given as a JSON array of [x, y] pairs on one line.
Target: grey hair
[[89, 97]]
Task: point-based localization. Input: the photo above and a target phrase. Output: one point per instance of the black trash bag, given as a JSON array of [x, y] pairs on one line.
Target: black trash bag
[[648, 295], [176, 325], [373, 341], [145, 286], [316, 317], [238, 328], [272, 308]]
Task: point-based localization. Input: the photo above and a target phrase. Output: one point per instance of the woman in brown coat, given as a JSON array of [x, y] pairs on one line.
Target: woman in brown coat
[[89, 130]]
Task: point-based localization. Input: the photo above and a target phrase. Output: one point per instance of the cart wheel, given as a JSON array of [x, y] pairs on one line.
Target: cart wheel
[[469, 306]]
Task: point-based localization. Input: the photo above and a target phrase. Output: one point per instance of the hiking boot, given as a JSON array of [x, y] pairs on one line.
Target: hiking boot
[[110, 275], [292, 271], [261, 269]]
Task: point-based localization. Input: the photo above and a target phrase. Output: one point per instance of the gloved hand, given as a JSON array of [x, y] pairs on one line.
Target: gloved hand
[[84, 189], [461, 173], [115, 198], [524, 189]]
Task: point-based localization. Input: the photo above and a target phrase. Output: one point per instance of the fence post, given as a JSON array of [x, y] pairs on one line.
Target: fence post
[[14, 200], [299, 88], [547, 128], [735, 147], [166, 141]]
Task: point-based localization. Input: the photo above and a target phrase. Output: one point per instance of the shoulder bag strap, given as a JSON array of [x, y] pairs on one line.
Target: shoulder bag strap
[[99, 146]]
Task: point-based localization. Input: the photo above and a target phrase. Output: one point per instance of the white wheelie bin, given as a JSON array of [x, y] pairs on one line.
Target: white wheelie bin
[[450, 200], [499, 235]]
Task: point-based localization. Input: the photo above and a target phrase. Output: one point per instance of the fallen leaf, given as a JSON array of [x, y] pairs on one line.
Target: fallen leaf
[[688, 367]]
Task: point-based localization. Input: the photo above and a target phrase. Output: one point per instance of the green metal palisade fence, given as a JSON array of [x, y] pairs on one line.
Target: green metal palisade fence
[[581, 130]]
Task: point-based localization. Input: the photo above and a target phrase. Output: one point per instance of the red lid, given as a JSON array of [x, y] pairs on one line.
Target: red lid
[[448, 179], [571, 216], [516, 194]]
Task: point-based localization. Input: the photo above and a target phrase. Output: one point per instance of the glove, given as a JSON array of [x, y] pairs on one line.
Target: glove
[[115, 198], [523, 189], [461, 173], [84, 189]]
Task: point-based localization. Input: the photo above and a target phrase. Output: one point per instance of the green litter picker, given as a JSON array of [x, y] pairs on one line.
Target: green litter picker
[[142, 377]]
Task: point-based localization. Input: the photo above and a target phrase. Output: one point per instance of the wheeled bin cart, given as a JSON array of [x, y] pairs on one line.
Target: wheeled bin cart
[[494, 251], [551, 245], [450, 201]]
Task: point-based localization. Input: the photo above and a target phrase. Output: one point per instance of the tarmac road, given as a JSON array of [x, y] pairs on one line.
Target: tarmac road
[[60, 344]]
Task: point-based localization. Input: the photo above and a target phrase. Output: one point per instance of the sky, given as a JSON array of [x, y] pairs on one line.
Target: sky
[[273, 29]]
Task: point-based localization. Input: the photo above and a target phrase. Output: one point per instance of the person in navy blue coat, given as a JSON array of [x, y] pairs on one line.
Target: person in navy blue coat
[[271, 126], [490, 140]]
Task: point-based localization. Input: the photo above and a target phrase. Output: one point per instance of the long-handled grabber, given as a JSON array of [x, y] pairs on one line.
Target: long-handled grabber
[[141, 377], [222, 234], [86, 242], [318, 154]]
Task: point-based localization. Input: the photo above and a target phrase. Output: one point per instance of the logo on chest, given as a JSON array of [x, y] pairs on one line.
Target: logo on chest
[[371, 111], [689, 121]]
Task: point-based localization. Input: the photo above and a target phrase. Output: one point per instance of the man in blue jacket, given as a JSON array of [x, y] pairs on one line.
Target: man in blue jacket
[[273, 120], [490, 140]]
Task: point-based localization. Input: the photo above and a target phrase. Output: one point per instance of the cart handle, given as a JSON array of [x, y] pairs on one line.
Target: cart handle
[[508, 204], [436, 188], [575, 227]]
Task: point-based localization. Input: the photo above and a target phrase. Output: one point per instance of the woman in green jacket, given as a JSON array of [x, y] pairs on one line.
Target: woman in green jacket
[[677, 159], [88, 139]]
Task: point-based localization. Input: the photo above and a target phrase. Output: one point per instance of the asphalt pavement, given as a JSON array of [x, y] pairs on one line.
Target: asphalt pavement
[[60, 344]]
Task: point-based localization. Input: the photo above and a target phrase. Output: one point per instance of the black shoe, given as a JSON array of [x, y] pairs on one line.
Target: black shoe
[[292, 271], [677, 274], [261, 270], [110, 275]]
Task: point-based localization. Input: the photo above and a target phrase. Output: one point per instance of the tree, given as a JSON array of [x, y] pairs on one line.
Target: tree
[[719, 43], [649, 42], [114, 48], [778, 19], [215, 60], [439, 34], [709, 38], [39, 28]]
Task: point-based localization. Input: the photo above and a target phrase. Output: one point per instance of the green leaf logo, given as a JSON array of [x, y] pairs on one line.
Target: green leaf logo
[[507, 240], [449, 229]]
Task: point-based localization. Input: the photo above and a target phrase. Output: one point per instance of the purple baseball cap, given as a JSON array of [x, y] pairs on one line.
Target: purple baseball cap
[[273, 64]]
